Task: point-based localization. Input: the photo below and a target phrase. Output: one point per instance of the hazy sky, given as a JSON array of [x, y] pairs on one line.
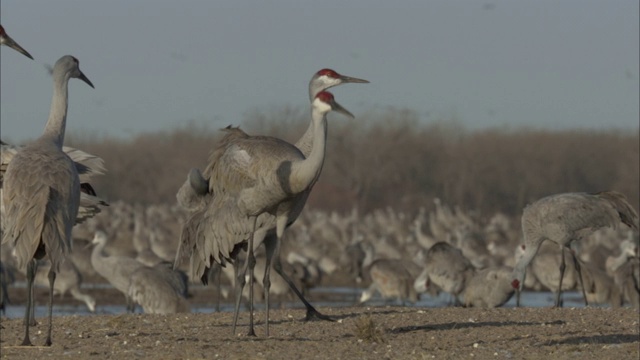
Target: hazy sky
[[157, 64]]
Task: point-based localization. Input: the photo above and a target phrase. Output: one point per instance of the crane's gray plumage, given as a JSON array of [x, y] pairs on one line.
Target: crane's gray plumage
[[6, 40], [159, 289], [446, 267], [41, 192], [489, 288], [87, 166], [250, 177], [194, 195], [564, 218], [116, 269], [392, 280], [68, 279]]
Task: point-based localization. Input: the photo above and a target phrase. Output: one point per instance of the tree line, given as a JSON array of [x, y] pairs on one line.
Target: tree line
[[390, 158]]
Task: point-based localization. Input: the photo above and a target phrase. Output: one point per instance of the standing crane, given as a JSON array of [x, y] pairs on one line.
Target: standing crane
[[6, 40], [194, 193], [567, 217], [255, 182], [116, 269], [41, 192]]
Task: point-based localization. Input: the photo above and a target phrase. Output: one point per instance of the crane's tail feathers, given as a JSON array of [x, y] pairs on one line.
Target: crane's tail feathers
[[86, 164], [627, 213]]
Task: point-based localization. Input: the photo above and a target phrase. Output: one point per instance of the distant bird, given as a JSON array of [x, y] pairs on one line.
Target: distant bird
[[564, 218], [256, 182], [41, 192], [446, 267], [544, 268], [6, 40], [600, 287], [67, 279], [625, 269], [489, 288], [392, 280], [115, 269], [159, 289]]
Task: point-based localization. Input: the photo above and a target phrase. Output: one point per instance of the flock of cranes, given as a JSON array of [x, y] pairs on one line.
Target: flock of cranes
[[252, 189]]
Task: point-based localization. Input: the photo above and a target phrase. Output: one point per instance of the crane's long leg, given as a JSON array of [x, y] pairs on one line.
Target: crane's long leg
[[218, 285], [32, 311], [277, 266], [562, 268], [131, 306], [239, 287], [250, 264], [273, 250], [31, 274], [52, 280], [266, 280], [578, 270]]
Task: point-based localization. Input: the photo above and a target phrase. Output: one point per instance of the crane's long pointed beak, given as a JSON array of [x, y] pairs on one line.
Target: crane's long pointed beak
[[349, 79], [338, 108], [85, 79], [14, 45]]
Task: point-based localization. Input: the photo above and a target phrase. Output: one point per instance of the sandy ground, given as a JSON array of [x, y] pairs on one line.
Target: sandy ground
[[358, 333]]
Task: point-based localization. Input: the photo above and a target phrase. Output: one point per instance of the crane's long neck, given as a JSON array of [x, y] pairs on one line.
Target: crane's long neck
[[56, 124], [306, 141], [96, 254], [306, 172]]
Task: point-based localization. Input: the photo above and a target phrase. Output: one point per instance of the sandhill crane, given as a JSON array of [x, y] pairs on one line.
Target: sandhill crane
[[41, 192], [625, 269], [67, 279], [489, 287], [567, 217], [446, 267], [6, 40], [257, 181], [600, 287], [159, 289], [194, 193], [116, 269], [544, 269], [392, 280]]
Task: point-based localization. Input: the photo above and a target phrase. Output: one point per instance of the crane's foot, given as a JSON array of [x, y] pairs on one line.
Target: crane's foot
[[251, 333], [48, 342], [313, 314], [26, 342]]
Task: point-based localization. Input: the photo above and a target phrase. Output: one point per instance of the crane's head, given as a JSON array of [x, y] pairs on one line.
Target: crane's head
[[324, 102], [71, 65], [100, 238], [327, 78], [8, 41]]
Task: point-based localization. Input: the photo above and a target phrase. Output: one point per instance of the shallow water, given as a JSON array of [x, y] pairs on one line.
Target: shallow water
[[345, 297]]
